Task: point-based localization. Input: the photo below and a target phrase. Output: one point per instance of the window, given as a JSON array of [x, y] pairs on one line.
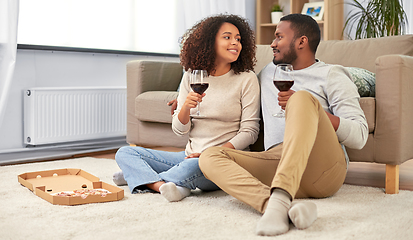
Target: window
[[128, 25]]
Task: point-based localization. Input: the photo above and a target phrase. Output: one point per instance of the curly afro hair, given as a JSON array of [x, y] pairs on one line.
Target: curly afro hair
[[198, 51]]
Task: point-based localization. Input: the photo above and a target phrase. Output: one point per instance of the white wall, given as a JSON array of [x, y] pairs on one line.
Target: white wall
[[36, 68]]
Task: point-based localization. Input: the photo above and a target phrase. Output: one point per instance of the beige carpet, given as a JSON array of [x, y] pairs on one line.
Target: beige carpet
[[353, 213]]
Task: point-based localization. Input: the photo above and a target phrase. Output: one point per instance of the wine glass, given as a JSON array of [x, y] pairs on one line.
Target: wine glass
[[199, 85], [283, 81]]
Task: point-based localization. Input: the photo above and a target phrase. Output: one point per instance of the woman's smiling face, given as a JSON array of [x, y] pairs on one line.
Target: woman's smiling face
[[227, 44]]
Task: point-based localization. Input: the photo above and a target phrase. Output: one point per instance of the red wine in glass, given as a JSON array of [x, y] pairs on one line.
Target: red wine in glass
[[283, 85], [199, 88]]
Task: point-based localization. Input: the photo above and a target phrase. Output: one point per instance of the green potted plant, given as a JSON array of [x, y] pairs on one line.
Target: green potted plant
[[378, 19], [276, 13]]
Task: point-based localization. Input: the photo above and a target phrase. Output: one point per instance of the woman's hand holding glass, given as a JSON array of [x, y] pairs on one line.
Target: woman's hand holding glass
[[199, 85], [192, 100]]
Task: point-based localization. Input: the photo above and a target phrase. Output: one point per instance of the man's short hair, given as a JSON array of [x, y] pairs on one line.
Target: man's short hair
[[304, 25]]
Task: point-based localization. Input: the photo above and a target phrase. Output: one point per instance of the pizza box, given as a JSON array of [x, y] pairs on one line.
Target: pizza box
[[58, 186]]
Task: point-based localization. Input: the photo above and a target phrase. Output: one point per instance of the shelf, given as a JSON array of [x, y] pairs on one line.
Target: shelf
[[268, 25], [275, 24], [331, 26]]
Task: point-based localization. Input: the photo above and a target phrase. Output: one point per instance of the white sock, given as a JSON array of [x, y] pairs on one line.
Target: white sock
[[118, 179], [174, 193], [275, 218], [303, 214]]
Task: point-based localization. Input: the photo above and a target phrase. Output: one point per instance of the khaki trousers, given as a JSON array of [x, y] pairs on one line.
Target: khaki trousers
[[310, 163]]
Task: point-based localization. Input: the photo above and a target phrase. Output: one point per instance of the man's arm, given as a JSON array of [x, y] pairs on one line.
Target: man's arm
[[173, 104], [343, 99]]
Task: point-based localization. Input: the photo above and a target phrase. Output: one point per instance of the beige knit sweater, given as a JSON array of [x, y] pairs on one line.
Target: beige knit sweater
[[231, 109]]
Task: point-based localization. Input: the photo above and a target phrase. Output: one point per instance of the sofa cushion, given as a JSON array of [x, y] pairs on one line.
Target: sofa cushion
[[364, 80], [152, 106], [362, 53]]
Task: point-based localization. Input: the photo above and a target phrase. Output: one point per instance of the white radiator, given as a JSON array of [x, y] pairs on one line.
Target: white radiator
[[56, 115]]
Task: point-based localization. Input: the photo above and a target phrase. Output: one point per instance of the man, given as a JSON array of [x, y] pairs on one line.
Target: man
[[305, 155]]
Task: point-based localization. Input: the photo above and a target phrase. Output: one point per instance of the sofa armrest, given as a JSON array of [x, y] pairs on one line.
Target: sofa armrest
[[143, 76], [393, 135]]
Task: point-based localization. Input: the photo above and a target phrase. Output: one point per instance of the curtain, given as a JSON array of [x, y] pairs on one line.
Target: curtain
[[408, 8], [9, 11], [191, 11]]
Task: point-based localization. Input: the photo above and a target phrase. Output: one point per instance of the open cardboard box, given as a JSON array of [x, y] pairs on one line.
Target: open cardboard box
[[47, 183]]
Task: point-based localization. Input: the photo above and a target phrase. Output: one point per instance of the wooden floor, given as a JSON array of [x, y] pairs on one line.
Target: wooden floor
[[363, 174]]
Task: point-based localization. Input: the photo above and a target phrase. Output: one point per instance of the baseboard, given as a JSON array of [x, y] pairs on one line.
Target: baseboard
[[59, 151]]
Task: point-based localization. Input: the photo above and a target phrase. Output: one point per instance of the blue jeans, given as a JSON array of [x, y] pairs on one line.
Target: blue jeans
[[143, 166]]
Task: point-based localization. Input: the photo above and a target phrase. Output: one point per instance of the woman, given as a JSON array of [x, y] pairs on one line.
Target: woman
[[224, 45]]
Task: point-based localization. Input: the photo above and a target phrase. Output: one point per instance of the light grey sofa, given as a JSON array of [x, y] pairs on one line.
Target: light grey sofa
[[150, 85]]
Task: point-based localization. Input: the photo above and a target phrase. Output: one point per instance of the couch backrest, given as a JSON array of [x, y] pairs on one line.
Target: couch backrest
[[363, 52], [264, 55], [350, 53]]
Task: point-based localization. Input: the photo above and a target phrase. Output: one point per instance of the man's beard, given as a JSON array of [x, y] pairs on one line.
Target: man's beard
[[289, 57]]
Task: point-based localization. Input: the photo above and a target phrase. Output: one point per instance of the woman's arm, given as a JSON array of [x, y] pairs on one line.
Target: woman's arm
[[250, 114]]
